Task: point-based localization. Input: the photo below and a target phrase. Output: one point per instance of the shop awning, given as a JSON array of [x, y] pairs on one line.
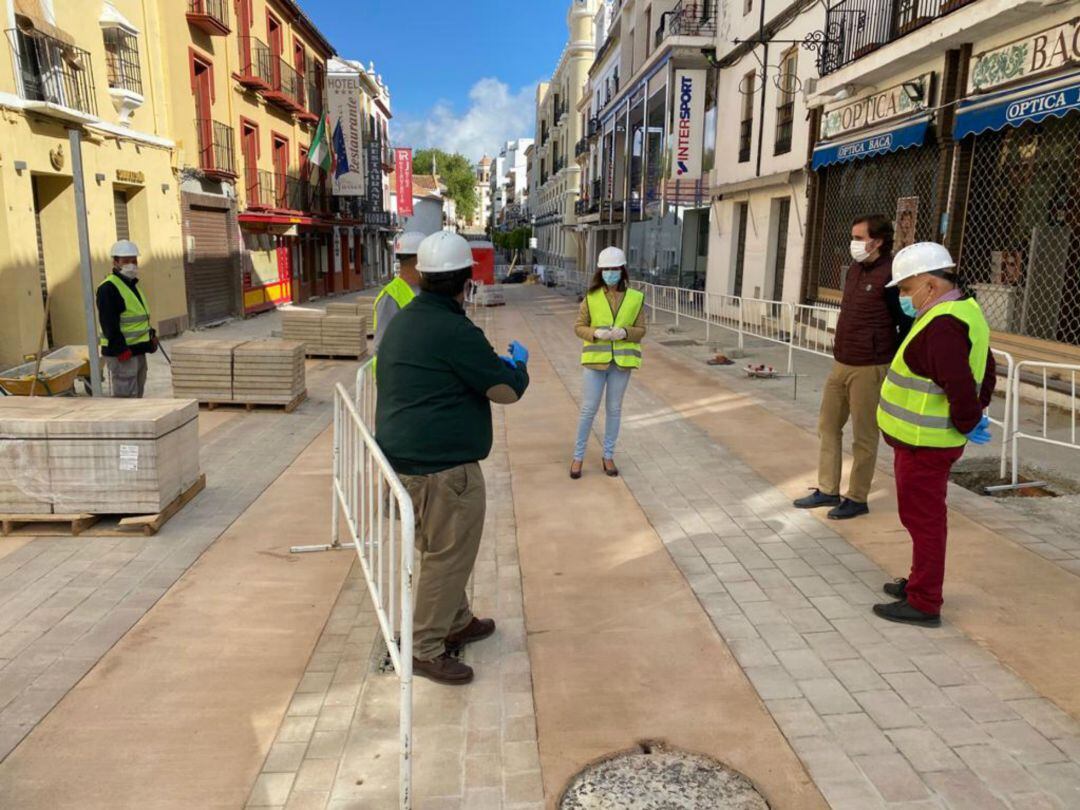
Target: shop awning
[[880, 143], [1031, 105]]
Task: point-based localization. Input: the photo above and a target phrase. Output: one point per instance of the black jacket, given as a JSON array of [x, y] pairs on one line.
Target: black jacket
[[110, 305]]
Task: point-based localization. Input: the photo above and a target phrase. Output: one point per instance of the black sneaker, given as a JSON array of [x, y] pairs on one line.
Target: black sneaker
[[817, 500], [897, 589], [848, 509], [904, 613]]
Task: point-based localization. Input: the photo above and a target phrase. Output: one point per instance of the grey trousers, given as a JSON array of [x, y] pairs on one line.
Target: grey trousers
[[128, 379]]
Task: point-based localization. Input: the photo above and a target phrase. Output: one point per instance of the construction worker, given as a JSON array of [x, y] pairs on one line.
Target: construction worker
[[932, 405], [611, 322], [401, 290], [124, 317], [870, 328], [437, 377]]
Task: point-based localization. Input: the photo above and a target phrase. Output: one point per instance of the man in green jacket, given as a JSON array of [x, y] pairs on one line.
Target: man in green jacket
[[437, 377]]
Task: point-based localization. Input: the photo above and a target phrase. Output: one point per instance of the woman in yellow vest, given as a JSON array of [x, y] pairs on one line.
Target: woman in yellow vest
[[931, 406], [612, 324]]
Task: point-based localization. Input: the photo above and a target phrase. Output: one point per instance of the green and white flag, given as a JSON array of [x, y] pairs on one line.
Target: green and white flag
[[322, 154]]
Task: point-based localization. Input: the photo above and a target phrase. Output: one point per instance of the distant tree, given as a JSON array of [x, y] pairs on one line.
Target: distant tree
[[456, 172]]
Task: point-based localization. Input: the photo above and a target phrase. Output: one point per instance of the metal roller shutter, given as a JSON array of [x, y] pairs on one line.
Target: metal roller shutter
[[210, 276]]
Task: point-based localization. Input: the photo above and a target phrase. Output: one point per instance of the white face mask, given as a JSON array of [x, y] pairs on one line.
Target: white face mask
[[129, 270], [858, 250]]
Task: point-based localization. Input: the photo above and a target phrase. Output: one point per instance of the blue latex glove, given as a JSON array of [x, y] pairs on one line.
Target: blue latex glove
[[519, 353], [508, 360], [981, 433]]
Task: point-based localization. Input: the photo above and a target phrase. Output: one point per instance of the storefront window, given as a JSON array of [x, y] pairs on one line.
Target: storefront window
[[1020, 253], [655, 148], [637, 156]]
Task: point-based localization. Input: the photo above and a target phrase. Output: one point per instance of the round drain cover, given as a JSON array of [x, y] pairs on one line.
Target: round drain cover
[[655, 778]]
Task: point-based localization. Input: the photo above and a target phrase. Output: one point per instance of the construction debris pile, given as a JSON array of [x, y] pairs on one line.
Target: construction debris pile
[[96, 456], [340, 331]]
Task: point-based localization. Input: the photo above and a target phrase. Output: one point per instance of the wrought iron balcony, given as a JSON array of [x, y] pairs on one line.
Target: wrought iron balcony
[[211, 16], [855, 28], [255, 64], [581, 147], [53, 71], [217, 156], [312, 97], [593, 129], [746, 129], [689, 18], [262, 189], [286, 88]]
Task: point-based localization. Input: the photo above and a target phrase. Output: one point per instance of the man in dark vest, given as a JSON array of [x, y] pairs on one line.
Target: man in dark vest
[[871, 327]]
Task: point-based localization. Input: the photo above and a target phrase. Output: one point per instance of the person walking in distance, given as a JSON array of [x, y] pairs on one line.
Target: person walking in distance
[[402, 289], [124, 318], [436, 379], [932, 404], [611, 323], [870, 328]]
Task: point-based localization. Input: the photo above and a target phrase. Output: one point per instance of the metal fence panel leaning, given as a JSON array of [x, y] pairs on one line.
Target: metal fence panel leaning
[[379, 519], [1063, 371]]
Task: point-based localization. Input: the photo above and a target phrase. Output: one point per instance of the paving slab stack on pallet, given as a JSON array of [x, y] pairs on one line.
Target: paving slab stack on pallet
[[345, 308], [335, 335], [344, 335], [303, 325], [97, 456], [202, 369], [268, 371]]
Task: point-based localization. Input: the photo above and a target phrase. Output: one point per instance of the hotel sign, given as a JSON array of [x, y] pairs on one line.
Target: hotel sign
[[876, 109], [343, 123], [1048, 50]]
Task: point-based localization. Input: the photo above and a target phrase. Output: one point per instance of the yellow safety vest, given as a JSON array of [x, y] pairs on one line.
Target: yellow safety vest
[[913, 409], [135, 319], [402, 294], [624, 353]]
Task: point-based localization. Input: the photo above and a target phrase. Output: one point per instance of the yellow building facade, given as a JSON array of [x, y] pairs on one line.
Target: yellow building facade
[[66, 69]]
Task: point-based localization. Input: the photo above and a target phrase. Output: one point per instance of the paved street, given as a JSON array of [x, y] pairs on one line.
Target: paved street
[[685, 602]]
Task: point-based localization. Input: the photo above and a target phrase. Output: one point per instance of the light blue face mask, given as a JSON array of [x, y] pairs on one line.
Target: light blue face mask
[[907, 303], [612, 277]]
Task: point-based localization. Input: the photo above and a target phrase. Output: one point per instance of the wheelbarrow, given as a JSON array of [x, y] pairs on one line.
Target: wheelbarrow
[[56, 374]]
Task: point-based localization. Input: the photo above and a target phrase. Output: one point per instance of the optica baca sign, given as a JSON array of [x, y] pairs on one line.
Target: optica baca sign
[[1056, 102], [869, 146], [876, 109], [1046, 51], [688, 142]]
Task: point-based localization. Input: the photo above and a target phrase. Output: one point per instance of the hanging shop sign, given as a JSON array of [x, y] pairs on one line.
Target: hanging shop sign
[[1049, 50], [689, 136], [343, 93], [403, 180], [374, 173], [894, 102]]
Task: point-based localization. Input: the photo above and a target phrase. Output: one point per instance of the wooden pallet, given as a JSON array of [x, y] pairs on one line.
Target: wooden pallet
[[324, 356], [289, 407], [54, 525]]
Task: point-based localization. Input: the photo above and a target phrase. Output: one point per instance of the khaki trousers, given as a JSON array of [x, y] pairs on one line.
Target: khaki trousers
[[128, 378], [450, 508], [850, 391]]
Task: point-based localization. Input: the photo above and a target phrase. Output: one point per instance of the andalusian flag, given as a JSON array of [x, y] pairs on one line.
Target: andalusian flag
[[322, 154]]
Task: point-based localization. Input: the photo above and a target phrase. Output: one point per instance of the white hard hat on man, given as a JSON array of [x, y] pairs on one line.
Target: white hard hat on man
[[922, 257], [124, 249], [408, 243], [444, 252]]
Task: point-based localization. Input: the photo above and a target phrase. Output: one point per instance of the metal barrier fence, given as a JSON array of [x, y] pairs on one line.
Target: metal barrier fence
[[1005, 423], [379, 520], [1043, 433]]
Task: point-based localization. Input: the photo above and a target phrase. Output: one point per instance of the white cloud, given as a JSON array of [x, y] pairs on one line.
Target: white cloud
[[495, 115]]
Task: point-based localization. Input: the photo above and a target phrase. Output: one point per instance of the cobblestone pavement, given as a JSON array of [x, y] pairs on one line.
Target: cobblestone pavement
[[474, 747], [882, 715], [64, 602]]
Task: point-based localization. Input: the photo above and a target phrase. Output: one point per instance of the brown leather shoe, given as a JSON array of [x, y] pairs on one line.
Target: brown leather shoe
[[476, 630], [444, 669]]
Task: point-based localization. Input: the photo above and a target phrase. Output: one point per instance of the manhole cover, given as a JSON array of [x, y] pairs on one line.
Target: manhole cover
[[651, 777]]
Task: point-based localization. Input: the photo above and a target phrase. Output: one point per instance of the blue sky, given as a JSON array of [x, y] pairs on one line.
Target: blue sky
[[461, 80]]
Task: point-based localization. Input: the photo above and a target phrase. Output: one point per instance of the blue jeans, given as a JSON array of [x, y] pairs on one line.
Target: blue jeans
[[592, 389]]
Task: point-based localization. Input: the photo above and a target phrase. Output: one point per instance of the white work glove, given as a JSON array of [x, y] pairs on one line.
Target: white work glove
[[602, 334], [617, 334]]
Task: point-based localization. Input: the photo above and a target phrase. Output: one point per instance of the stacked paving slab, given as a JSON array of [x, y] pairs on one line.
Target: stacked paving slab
[[337, 332], [203, 369], [268, 371], [96, 456]]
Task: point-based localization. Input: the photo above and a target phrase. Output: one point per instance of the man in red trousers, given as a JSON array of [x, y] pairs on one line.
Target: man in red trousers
[[932, 404]]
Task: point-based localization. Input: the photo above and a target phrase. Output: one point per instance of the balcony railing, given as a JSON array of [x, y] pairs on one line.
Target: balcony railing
[[785, 119], [255, 63], [689, 18], [53, 71], [286, 88], [746, 129], [217, 157], [261, 189], [581, 147], [593, 128], [859, 27], [211, 16], [313, 95]]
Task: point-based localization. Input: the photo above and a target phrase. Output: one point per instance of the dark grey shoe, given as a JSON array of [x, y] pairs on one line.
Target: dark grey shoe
[[897, 589], [816, 500], [904, 613], [848, 509]]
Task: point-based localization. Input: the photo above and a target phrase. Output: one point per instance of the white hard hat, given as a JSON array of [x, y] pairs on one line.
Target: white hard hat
[[922, 257], [124, 249], [444, 252], [611, 257], [408, 243]]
